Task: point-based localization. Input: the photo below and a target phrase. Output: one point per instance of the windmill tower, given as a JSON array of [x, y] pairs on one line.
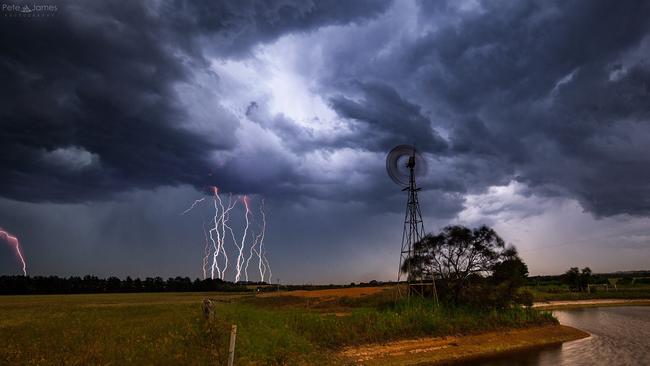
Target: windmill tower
[[403, 163]]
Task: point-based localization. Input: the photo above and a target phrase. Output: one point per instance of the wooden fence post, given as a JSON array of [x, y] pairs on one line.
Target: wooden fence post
[[231, 350]]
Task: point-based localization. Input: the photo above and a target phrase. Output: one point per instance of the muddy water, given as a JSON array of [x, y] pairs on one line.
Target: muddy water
[[619, 336]]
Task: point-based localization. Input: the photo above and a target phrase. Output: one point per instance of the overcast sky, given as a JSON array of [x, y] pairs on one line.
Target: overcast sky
[[115, 116]]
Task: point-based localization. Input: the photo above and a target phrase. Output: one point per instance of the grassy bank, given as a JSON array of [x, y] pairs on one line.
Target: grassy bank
[[562, 293], [299, 335], [170, 329]]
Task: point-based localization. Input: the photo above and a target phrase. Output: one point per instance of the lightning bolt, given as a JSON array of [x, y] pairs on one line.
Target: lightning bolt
[[225, 216], [250, 254], [13, 241], [215, 243], [261, 247], [218, 233], [206, 251], [206, 248], [258, 248], [193, 205], [268, 266], [219, 230], [240, 246]]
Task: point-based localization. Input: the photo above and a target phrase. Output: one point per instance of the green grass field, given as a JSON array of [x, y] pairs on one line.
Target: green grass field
[[169, 328], [562, 293]]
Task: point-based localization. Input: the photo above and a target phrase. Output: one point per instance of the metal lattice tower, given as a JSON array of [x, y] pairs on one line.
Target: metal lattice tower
[[419, 281]]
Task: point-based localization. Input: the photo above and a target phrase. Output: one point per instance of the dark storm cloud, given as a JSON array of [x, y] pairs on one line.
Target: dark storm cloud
[[376, 122], [230, 28], [539, 82], [519, 50], [88, 106], [553, 94], [386, 119], [93, 85], [358, 146], [296, 137]]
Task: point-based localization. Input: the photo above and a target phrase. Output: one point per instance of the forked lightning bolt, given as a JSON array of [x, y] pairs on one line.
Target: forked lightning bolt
[[206, 252], [218, 234], [240, 245], [13, 241], [258, 248], [193, 205], [252, 250], [268, 266], [221, 235], [219, 230], [263, 265]]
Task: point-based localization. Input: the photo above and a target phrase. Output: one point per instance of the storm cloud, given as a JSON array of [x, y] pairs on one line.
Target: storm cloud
[[101, 79]]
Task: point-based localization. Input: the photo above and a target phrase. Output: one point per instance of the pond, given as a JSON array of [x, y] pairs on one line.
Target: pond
[[619, 336]]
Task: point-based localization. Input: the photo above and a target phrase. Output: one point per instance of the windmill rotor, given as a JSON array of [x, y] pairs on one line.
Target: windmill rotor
[[400, 160]]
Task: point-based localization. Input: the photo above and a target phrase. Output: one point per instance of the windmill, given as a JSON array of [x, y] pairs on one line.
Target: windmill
[[403, 164]]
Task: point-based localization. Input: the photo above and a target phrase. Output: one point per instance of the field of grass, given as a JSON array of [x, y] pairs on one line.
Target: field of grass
[[169, 328], [562, 293]]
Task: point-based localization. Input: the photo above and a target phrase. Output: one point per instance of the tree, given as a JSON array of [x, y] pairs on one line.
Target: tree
[[511, 270], [507, 278], [577, 280], [572, 278], [585, 278], [468, 263]]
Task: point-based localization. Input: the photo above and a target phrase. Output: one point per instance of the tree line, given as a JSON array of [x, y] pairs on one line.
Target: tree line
[[19, 285]]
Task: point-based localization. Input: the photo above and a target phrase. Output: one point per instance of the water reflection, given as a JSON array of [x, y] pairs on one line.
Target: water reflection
[[619, 336]]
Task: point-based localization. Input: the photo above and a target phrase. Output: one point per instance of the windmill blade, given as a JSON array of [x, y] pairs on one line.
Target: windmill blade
[[397, 163]]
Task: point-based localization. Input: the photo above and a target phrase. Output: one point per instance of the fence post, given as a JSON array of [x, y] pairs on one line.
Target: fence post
[[231, 350]]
